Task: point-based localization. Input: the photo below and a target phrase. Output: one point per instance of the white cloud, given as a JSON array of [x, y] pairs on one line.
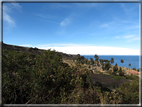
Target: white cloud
[[129, 36], [28, 45], [44, 16], [90, 50], [7, 10], [16, 5], [65, 22], [104, 25], [7, 18], [133, 39], [87, 5]]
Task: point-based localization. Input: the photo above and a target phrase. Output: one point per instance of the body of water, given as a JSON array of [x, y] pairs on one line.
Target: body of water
[[134, 60]]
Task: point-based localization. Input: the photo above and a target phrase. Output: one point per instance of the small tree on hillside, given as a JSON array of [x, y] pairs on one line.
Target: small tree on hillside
[[96, 57], [129, 66], [92, 61], [122, 61], [89, 66], [107, 66], [112, 61], [120, 72], [115, 68]]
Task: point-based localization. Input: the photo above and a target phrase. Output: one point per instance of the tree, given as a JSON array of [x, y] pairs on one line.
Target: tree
[[129, 66], [107, 66], [101, 61], [120, 72], [134, 68], [80, 59], [112, 61], [89, 66], [122, 61], [86, 61], [115, 68], [96, 57], [92, 61]]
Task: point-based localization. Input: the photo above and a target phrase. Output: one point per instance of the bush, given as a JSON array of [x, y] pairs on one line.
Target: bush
[[45, 79], [107, 66], [120, 72], [129, 92], [115, 68], [117, 77], [134, 69]]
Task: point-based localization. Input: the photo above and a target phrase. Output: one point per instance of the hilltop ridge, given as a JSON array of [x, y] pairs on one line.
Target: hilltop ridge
[[34, 50]]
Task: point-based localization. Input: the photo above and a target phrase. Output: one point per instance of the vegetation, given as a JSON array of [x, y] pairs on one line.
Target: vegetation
[[44, 79], [122, 61], [107, 66], [129, 65], [117, 77], [120, 72], [112, 61], [96, 57], [115, 68], [134, 68]]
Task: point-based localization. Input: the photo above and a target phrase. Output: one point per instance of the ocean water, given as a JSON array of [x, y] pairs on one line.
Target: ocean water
[[134, 60]]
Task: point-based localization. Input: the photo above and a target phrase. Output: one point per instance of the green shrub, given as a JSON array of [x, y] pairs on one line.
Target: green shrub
[[45, 79], [129, 92], [117, 77], [115, 68]]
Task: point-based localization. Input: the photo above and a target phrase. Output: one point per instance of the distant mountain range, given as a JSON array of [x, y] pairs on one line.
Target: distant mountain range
[[34, 50]]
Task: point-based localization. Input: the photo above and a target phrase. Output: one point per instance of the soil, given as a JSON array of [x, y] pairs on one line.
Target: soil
[[108, 80]]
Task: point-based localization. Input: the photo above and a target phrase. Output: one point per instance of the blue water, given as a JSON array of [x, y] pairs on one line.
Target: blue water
[[134, 60]]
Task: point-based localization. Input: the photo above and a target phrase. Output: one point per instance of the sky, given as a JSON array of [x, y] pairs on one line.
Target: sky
[[74, 28]]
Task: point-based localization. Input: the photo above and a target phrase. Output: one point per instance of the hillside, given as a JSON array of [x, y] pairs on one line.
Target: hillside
[[44, 77], [34, 50]]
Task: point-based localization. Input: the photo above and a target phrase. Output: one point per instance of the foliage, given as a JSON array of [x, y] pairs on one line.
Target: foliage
[[112, 60], [122, 61], [81, 59], [92, 61], [101, 61], [132, 77], [117, 77], [96, 57], [107, 66], [121, 73], [115, 68], [89, 66], [45, 79], [134, 68], [129, 64], [130, 92]]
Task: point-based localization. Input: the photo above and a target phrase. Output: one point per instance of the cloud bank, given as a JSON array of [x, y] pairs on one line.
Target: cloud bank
[[89, 50]]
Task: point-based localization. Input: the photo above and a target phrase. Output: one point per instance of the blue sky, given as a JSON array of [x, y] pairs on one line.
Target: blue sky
[[74, 28]]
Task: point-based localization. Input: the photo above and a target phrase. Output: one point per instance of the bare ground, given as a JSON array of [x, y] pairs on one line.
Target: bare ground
[[108, 80]]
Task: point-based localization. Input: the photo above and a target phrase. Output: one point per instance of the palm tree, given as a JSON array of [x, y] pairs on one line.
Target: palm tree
[[112, 61], [122, 61], [129, 66], [96, 58]]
